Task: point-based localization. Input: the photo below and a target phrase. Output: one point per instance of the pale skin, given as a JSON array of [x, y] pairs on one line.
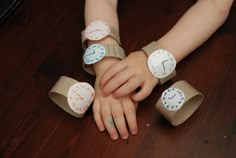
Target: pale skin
[[115, 100], [110, 113], [193, 29]]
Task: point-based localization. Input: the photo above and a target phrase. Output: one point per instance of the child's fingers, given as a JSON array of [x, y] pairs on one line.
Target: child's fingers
[[119, 119], [145, 91], [108, 120], [117, 81], [97, 115], [127, 88], [130, 114], [110, 72]]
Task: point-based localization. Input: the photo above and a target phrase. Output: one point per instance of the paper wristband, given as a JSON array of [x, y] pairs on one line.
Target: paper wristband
[[113, 34], [111, 50], [72, 96], [148, 49], [179, 102]]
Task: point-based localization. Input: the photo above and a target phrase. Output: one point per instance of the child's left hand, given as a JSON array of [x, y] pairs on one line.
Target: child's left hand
[[125, 76]]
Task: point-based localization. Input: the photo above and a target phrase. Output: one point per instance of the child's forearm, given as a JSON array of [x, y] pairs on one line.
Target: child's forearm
[[102, 10], [195, 27]]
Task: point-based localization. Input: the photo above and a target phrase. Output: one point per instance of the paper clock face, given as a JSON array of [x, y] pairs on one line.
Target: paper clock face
[[161, 63], [94, 53], [97, 30], [80, 96], [173, 99]]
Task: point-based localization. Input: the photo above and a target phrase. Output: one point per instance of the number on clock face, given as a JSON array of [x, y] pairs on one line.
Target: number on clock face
[[161, 63], [97, 30], [173, 99], [80, 96], [94, 53]]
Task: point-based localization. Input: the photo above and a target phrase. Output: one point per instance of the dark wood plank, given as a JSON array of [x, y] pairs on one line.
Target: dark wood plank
[[41, 41]]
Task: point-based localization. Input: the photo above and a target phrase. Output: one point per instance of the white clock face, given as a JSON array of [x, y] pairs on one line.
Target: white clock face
[[94, 53], [161, 63], [97, 30], [80, 96], [173, 99]]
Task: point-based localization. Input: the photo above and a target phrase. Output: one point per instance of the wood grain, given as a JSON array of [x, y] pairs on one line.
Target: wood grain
[[41, 41]]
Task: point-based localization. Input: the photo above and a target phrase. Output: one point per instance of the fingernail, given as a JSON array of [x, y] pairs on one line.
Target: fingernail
[[101, 129], [125, 137], [114, 137], [134, 131]]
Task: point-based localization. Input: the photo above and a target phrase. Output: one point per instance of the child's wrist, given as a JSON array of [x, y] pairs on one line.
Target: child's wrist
[[101, 66]]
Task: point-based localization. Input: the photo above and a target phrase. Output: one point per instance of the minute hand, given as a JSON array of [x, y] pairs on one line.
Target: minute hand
[[163, 64]]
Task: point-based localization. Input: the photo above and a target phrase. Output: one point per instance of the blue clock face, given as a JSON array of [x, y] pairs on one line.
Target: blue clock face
[[173, 99], [94, 53]]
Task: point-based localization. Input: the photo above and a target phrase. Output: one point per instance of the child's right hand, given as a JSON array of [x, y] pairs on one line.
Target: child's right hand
[[125, 76]]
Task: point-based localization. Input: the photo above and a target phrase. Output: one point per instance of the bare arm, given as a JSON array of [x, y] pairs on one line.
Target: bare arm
[[112, 114], [102, 10], [195, 27], [192, 29]]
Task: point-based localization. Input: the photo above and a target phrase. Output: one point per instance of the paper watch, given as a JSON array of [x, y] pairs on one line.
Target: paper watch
[[96, 52], [161, 63], [98, 30], [179, 102], [72, 96]]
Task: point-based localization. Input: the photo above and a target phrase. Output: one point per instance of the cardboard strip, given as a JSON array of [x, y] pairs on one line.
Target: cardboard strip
[[72, 96], [170, 104]]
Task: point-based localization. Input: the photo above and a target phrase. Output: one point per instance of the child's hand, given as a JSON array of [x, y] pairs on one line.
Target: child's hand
[[111, 114], [125, 76]]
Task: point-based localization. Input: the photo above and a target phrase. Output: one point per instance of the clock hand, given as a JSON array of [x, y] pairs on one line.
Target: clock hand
[[79, 96], [163, 64], [94, 31], [172, 96], [91, 53]]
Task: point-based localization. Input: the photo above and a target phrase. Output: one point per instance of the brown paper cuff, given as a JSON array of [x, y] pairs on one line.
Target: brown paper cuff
[[164, 80], [193, 99], [151, 47], [59, 94]]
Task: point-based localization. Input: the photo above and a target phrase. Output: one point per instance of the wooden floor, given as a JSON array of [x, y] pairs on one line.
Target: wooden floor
[[41, 42]]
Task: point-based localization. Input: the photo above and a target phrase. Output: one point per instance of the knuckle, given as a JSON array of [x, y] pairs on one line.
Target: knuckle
[[132, 84], [117, 115]]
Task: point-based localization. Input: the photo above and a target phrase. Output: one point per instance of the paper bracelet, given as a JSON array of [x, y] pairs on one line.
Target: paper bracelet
[[72, 96], [96, 52], [98, 30], [161, 62], [179, 102]]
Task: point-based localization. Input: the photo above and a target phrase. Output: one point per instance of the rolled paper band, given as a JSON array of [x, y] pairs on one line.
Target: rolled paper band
[[179, 102], [72, 96]]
